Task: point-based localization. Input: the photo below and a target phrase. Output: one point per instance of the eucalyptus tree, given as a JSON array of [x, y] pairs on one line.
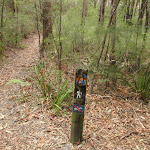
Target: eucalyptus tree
[[47, 25], [2, 18], [102, 11], [142, 11]]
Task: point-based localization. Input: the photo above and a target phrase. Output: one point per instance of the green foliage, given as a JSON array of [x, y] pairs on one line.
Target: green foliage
[[61, 93], [139, 82], [18, 81], [1, 49], [53, 91], [18, 22], [42, 78]]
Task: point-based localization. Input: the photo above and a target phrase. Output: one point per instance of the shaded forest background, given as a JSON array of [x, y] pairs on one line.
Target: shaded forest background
[[110, 38]]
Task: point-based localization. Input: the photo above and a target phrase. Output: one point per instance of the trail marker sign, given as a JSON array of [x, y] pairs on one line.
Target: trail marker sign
[[78, 106]]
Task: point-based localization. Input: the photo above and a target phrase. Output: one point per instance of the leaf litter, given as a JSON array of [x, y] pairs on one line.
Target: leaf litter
[[110, 122]]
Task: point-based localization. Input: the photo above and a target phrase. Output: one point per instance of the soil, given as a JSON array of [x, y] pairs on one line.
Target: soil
[[110, 122]]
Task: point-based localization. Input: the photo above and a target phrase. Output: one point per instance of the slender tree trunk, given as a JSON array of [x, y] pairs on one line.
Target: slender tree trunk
[[102, 11], [84, 14], [40, 4], [108, 45], [2, 17], [113, 25], [144, 7], [146, 24], [60, 43], [128, 12], [37, 23], [147, 21], [84, 10], [136, 6], [132, 9], [141, 12], [147, 8], [17, 32], [108, 3]]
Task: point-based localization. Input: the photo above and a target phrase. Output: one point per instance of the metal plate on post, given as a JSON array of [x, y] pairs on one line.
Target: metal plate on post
[[78, 108], [81, 79]]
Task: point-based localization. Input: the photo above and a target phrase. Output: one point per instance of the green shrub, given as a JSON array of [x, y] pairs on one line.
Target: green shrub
[[139, 82], [52, 90]]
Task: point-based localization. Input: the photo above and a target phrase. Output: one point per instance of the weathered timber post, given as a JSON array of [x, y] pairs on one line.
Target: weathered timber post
[[78, 106]]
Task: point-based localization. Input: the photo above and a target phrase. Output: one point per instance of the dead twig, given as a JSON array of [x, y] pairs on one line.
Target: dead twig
[[127, 135]]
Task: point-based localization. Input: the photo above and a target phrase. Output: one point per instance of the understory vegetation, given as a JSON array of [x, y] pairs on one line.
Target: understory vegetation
[[110, 38]]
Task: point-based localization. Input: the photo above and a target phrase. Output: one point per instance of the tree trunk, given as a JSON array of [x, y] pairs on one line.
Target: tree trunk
[[144, 7], [84, 14], [128, 17], [108, 2], [84, 10], [141, 12], [136, 6], [102, 11], [17, 26], [2, 17], [147, 21], [147, 8], [132, 9], [47, 19], [47, 24], [37, 23], [113, 25], [106, 53], [60, 43]]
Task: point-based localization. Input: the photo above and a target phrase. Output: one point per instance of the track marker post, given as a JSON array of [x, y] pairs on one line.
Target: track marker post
[[78, 106]]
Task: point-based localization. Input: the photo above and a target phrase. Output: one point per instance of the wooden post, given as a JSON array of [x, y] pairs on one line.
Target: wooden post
[[78, 106]]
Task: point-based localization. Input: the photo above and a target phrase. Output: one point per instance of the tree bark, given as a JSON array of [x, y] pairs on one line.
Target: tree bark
[[17, 26], [147, 8], [37, 23], [47, 19], [60, 43], [102, 11], [132, 9], [141, 12], [113, 25], [84, 10], [47, 24], [2, 17], [128, 12], [84, 14]]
